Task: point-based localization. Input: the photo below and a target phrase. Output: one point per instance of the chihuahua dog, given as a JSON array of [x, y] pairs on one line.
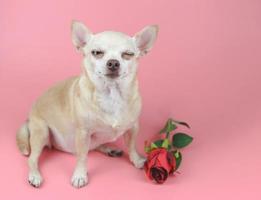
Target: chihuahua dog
[[84, 113]]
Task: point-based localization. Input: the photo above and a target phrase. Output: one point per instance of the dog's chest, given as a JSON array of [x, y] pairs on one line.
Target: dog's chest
[[106, 118], [111, 101], [113, 119]]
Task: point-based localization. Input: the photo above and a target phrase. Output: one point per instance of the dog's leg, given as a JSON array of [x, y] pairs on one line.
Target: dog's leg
[[130, 140], [38, 139], [113, 152], [82, 142]]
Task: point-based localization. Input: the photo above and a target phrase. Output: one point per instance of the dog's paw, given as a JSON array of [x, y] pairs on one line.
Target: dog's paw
[[35, 179], [115, 153], [79, 180], [139, 161]]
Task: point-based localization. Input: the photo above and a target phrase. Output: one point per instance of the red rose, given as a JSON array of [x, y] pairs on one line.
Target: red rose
[[160, 163]]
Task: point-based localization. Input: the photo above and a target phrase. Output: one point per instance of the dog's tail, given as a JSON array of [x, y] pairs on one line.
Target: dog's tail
[[22, 139]]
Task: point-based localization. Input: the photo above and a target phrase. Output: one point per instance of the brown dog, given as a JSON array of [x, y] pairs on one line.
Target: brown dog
[[90, 110]]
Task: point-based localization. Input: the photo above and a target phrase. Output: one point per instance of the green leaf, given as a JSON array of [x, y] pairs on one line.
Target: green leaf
[[177, 154], [153, 145], [180, 140], [169, 126], [158, 143], [181, 123], [178, 158], [147, 149], [165, 143]]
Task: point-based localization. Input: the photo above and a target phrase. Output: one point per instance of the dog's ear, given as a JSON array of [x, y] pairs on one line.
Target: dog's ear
[[145, 39], [80, 34]]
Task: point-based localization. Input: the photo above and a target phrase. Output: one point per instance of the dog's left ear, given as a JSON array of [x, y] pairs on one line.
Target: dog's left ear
[[145, 39], [80, 34]]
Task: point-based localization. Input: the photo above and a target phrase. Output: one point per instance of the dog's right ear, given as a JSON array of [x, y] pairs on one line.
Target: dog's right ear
[[80, 34]]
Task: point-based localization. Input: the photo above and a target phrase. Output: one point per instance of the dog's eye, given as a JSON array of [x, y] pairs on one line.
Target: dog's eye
[[97, 53], [127, 55]]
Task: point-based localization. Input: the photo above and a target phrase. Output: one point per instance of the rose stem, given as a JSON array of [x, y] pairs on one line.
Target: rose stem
[[167, 135]]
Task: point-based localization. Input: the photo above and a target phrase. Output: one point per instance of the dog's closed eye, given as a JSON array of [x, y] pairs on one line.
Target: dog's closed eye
[[97, 53], [127, 55]]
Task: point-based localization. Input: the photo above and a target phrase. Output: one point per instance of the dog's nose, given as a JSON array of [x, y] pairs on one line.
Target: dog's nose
[[113, 65]]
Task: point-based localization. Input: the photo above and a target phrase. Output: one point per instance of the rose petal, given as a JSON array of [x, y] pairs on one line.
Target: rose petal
[[159, 165], [159, 174]]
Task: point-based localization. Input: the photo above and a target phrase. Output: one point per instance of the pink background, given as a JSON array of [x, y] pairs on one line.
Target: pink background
[[205, 68]]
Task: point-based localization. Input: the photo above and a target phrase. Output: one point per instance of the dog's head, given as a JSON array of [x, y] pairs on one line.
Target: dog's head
[[110, 56]]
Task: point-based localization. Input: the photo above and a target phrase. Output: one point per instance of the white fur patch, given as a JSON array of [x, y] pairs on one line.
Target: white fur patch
[[111, 100], [35, 179], [79, 179]]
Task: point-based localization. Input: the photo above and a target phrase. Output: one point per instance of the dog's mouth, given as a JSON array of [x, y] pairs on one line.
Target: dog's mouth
[[112, 75]]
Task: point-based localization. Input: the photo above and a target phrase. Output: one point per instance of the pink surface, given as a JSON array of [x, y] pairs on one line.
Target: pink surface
[[205, 69]]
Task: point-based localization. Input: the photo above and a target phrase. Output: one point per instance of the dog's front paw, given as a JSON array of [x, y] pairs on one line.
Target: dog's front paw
[[79, 180], [35, 179], [138, 161]]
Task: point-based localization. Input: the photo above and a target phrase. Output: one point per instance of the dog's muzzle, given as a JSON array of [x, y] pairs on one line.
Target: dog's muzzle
[[113, 67]]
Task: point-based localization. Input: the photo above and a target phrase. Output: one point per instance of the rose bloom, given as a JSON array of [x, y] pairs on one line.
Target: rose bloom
[[160, 163]]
